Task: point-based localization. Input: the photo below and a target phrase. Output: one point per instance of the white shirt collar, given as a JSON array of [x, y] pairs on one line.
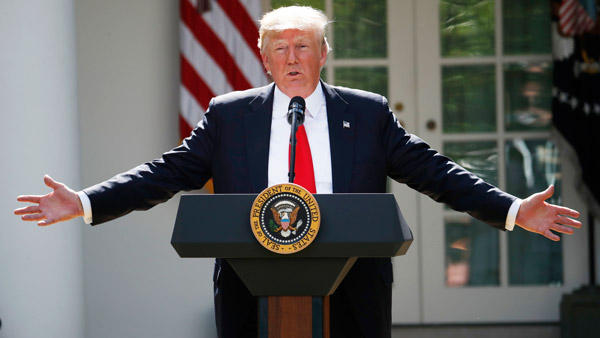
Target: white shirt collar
[[313, 103]]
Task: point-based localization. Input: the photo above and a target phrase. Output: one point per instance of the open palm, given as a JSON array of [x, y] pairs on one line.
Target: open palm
[[61, 204], [537, 215]]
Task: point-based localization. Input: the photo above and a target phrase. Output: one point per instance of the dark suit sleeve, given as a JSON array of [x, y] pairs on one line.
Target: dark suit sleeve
[[186, 167], [413, 162]]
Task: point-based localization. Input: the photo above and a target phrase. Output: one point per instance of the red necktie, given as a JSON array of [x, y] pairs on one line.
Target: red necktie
[[305, 174]]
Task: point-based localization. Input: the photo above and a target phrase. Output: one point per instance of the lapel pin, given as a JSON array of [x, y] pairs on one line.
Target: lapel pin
[[346, 124]]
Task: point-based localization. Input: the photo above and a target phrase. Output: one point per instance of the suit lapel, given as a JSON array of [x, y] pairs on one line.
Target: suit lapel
[[341, 139], [257, 129]]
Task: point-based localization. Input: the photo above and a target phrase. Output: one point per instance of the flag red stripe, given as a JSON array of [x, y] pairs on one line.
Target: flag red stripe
[[213, 46], [194, 83], [239, 16]]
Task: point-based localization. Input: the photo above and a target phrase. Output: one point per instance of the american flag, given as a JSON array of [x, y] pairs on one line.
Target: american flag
[[576, 16], [218, 54]]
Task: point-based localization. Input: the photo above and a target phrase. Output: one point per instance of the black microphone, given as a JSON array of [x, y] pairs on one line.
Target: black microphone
[[295, 118], [296, 110]]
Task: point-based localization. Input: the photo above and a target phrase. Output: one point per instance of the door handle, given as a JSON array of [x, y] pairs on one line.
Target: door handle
[[431, 125]]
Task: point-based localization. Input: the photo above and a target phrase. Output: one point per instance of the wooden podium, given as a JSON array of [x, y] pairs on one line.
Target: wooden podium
[[352, 226]]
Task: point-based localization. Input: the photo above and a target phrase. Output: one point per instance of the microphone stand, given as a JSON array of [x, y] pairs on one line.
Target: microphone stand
[[292, 172]]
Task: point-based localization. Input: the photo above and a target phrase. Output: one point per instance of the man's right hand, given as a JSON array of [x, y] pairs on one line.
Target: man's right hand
[[62, 204]]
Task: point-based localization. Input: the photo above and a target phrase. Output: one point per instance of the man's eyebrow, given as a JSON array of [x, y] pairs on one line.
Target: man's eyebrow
[[298, 39]]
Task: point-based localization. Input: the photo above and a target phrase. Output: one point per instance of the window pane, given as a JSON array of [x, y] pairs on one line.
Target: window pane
[[526, 27], [527, 96], [472, 253], [467, 27], [532, 165], [468, 99], [320, 4], [360, 29], [480, 158], [373, 79]]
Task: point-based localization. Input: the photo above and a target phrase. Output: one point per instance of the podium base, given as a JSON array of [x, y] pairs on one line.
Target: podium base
[[293, 317]]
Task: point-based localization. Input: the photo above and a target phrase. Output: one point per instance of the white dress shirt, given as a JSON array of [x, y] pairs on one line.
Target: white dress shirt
[[317, 131]]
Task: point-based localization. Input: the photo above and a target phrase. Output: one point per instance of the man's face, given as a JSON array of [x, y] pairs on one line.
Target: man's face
[[295, 58]]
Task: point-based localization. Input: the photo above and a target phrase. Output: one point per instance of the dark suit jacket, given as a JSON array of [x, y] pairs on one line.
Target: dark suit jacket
[[231, 145]]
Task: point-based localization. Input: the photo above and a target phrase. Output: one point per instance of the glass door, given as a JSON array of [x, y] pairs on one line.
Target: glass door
[[484, 92]]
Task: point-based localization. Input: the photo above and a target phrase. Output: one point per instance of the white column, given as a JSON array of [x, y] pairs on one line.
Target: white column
[[40, 268]]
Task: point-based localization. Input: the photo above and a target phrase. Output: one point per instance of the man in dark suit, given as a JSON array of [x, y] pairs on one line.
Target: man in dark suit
[[356, 143]]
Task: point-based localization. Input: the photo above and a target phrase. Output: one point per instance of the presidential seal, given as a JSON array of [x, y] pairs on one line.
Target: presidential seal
[[285, 218]]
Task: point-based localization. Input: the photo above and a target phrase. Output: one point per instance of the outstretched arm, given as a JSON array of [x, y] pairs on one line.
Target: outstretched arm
[[62, 204], [536, 215]]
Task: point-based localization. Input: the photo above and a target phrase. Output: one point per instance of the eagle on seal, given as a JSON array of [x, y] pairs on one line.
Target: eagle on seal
[[285, 217]]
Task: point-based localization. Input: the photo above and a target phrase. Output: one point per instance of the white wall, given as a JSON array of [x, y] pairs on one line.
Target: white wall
[[128, 75], [40, 268]]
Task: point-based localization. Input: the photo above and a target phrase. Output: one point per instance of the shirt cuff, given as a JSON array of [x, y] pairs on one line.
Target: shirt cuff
[[87, 207], [512, 214]]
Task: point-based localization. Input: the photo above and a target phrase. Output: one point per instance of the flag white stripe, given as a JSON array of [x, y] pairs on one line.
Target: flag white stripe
[[254, 8]]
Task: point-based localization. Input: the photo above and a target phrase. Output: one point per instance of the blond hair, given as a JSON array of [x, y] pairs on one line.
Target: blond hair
[[293, 17]]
